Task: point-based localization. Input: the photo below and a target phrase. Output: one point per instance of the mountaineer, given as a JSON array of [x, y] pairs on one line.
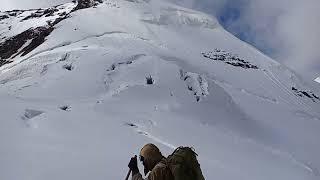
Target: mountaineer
[[182, 164]]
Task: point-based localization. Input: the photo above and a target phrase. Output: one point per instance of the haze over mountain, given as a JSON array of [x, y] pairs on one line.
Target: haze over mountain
[[84, 86]]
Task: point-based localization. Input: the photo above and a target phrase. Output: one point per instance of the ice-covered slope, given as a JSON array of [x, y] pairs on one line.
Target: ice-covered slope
[[79, 100]]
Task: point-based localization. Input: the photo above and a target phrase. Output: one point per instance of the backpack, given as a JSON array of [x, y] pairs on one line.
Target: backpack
[[184, 165]]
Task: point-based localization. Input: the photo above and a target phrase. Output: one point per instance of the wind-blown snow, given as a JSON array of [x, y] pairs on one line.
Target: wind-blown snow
[[79, 105]]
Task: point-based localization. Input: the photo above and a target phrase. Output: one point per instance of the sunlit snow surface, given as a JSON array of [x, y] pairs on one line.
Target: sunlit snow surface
[[79, 106], [317, 80]]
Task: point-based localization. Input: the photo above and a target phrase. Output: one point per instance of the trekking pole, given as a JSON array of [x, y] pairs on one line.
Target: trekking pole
[[128, 175]]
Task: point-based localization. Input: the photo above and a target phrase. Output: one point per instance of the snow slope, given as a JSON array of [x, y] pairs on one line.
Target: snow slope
[[317, 79], [28, 4], [108, 79]]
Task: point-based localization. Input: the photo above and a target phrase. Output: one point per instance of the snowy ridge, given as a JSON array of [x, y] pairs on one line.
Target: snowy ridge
[[317, 80], [109, 78]]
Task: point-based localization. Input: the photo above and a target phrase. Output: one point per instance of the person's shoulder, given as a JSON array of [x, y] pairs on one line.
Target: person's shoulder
[[160, 171], [162, 165]]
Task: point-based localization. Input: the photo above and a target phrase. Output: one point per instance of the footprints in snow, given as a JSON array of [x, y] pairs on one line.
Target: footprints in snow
[[140, 131], [138, 128], [65, 108], [131, 125]]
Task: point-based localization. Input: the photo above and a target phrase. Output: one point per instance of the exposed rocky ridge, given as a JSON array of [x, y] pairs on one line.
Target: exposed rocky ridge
[[306, 94], [82, 4], [2, 17], [4, 62], [26, 41], [12, 47], [43, 13], [228, 58]]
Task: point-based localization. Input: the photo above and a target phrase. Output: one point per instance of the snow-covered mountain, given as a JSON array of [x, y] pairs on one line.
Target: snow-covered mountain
[[317, 80], [29, 4], [84, 86]]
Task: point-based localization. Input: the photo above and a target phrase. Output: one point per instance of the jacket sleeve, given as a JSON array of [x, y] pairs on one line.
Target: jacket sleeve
[[154, 175], [160, 172], [138, 176]]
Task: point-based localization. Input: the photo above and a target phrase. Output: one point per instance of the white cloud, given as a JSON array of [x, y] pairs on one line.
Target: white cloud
[[288, 28], [291, 27]]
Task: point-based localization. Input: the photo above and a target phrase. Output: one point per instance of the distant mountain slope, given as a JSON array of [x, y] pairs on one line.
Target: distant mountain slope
[[82, 89], [7, 5], [317, 79]]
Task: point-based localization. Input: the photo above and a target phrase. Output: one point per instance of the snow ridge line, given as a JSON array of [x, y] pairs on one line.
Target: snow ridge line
[[67, 43], [156, 139]]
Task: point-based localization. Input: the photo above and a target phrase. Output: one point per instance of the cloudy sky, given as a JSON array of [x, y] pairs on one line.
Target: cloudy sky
[[286, 30], [24, 4]]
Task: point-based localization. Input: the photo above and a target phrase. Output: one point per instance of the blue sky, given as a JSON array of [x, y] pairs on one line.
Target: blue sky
[[231, 12]]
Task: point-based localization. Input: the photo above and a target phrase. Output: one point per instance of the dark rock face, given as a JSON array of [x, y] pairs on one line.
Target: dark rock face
[[228, 58], [14, 13], [17, 45], [38, 36], [83, 4], [27, 41], [4, 62], [41, 13], [307, 94], [3, 17], [11, 46]]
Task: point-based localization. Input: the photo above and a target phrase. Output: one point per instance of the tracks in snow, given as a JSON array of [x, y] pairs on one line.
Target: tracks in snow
[[290, 101], [141, 130]]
